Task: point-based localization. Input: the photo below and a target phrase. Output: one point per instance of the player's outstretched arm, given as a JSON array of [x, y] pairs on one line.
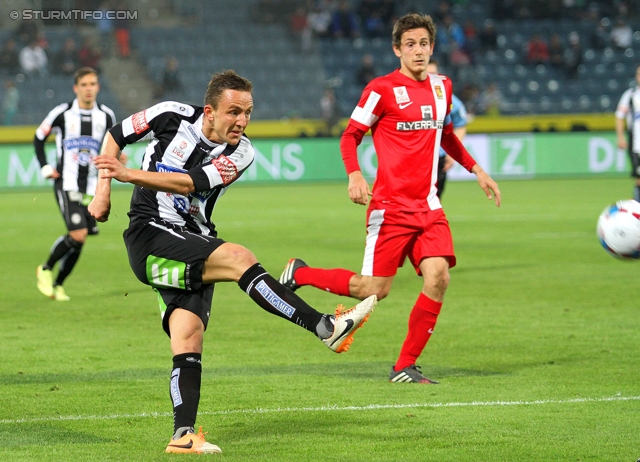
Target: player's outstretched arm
[[488, 185], [171, 182], [100, 206], [359, 191]]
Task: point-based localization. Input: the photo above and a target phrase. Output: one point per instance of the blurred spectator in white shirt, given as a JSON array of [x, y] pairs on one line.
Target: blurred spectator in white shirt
[[33, 59], [622, 34]]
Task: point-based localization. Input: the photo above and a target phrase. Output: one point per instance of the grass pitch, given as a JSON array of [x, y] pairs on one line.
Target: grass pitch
[[537, 347]]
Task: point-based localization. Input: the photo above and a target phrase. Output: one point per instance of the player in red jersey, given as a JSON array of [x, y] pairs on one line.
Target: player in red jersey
[[406, 112]]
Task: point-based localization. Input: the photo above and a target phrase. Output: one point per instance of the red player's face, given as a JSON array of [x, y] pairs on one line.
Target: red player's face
[[415, 51]]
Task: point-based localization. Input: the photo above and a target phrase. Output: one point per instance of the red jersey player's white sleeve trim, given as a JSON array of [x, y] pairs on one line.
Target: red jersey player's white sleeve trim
[[365, 115]]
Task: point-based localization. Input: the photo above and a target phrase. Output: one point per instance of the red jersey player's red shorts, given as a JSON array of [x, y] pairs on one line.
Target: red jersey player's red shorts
[[393, 236]]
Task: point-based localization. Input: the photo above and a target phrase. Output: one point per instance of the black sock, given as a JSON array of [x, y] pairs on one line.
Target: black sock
[[60, 248], [186, 377], [277, 299], [66, 265], [636, 193]]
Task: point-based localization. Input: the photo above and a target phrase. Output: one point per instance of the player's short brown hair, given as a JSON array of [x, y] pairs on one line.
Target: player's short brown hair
[[225, 80], [82, 72], [413, 21]]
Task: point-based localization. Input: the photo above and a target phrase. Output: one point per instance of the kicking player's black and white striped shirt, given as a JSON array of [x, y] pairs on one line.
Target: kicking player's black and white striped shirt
[[79, 134], [177, 144]]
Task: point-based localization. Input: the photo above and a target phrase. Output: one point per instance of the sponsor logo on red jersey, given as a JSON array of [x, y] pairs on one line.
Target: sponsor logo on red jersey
[[420, 125]]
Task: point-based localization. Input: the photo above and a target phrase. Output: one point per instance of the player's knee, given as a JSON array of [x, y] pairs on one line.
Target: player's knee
[[382, 292], [236, 256], [242, 255], [187, 332], [442, 278], [367, 286], [78, 236], [437, 283], [189, 343]]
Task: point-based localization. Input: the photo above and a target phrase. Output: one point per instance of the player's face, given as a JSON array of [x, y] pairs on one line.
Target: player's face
[[414, 53], [87, 90], [227, 123]]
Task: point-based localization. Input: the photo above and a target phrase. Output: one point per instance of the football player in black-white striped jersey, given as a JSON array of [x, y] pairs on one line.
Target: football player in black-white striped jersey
[[628, 120], [194, 155], [79, 127]]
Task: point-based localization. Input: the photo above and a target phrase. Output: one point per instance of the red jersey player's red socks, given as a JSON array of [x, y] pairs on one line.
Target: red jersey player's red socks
[[422, 320], [335, 281]]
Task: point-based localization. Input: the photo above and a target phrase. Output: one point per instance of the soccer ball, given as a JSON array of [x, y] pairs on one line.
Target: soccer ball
[[619, 229]]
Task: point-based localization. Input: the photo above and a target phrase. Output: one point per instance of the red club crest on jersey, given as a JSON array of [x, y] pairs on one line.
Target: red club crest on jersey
[[438, 90]]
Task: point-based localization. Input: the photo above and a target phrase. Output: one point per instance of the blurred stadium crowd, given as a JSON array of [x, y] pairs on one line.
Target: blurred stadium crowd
[[505, 56]]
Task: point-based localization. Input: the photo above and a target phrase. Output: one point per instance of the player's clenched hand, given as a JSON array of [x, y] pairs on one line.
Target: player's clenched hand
[[100, 208], [110, 167], [359, 191], [488, 185]]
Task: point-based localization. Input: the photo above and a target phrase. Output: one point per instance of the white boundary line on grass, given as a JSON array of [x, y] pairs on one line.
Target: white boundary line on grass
[[369, 407]]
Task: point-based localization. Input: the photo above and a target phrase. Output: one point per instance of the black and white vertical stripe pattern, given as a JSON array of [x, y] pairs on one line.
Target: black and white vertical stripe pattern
[[628, 109], [79, 134], [177, 144]]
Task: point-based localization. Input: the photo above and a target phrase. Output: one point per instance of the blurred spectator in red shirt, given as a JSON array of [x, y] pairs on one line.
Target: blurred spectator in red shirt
[[537, 50], [298, 20], [89, 55]]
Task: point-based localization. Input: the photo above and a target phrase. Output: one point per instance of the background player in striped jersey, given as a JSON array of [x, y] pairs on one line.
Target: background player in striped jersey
[[79, 127], [628, 116], [195, 154], [406, 111], [458, 117]]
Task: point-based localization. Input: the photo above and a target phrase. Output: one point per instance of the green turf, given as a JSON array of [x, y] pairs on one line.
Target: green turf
[[537, 347]]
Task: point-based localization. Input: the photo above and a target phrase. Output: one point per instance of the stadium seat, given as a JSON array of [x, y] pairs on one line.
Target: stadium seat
[[605, 103]]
